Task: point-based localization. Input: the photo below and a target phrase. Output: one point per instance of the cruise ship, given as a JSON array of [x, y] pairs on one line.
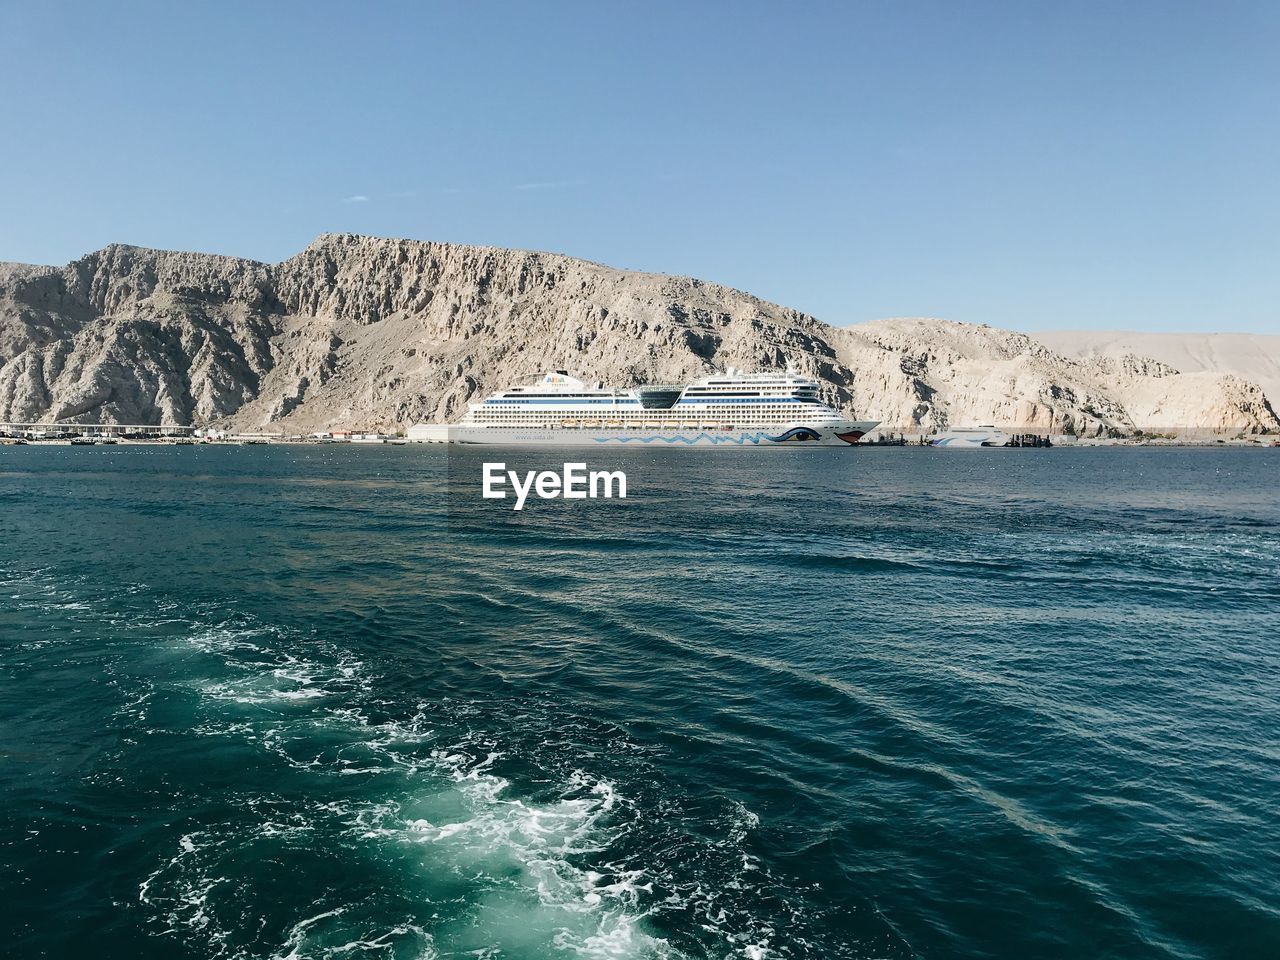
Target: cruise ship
[[729, 409]]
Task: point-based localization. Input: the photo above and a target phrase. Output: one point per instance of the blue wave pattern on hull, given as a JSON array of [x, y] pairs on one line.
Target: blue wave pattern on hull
[[793, 435]]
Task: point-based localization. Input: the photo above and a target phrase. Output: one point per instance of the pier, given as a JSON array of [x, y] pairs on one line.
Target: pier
[[70, 431], [1029, 440]]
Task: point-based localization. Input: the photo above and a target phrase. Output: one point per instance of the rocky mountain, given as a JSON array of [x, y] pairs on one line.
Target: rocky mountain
[[961, 374], [1251, 356], [363, 332]]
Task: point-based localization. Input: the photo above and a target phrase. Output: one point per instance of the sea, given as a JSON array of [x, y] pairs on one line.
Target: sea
[[326, 701]]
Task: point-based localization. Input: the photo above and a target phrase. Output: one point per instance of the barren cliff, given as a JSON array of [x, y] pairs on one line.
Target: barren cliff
[[375, 333], [1250, 356]]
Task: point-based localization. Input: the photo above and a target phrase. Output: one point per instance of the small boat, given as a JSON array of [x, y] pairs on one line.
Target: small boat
[[983, 436]]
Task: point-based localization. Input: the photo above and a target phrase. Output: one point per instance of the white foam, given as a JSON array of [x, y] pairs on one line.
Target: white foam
[[525, 845], [535, 871], [316, 937]]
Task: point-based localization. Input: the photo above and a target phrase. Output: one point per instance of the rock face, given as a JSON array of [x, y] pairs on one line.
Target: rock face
[[361, 332], [955, 374], [1250, 356]]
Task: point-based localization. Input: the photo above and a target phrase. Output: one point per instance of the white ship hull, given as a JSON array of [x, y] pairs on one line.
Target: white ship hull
[[835, 434], [971, 437]]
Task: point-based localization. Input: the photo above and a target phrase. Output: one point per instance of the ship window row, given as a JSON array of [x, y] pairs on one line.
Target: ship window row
[[629, 415], [693, 408], [650, 414], [748, 401], [779, 413], [637, 422], [640, 423], [640, 412], [766, 381], [740, 398], [778, 404], [558, 396], [535, 401], [748, 392], [638, 415]]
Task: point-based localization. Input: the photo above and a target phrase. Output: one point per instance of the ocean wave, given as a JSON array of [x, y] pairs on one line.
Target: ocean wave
[[571, 864]]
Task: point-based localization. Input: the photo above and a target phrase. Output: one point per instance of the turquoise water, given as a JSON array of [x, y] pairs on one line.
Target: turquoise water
[[296, 702]]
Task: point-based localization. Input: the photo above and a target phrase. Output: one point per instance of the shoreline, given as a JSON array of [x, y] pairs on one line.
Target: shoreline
[[1264, 442]]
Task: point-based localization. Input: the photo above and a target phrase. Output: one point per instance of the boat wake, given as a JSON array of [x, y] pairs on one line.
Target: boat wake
[[299, 804], [406, 835]]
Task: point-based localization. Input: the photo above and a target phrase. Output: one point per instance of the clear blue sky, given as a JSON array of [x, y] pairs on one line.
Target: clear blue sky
[[1025, 164]]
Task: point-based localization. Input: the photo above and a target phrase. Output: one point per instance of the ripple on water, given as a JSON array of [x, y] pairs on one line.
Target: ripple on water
[[1023, 703], [424, 806]]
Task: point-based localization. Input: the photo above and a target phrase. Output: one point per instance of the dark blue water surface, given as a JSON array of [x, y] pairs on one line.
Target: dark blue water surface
[[297, 702]]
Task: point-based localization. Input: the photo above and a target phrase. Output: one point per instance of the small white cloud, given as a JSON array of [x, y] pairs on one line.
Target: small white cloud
[[357, 198], [548, 184]]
